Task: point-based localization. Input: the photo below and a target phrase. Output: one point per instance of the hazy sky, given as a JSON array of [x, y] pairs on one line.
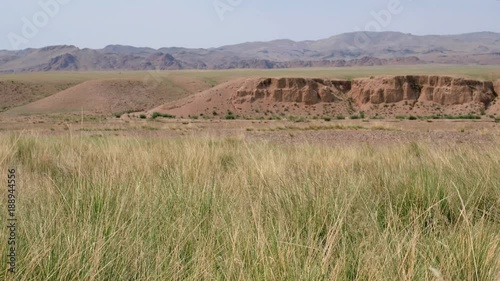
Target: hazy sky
[[213, 23]]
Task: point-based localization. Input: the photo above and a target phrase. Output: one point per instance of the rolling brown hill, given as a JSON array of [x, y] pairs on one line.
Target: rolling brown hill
[[17, 93], [100, 97]]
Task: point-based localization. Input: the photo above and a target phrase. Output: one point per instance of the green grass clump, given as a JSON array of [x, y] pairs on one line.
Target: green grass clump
[[274, 117], [469, 116], [157, 115], [230, 116], [143, 116], [133, 208], [120, 114], [438, 116], [149, 128], [463, 117], [297, 119]]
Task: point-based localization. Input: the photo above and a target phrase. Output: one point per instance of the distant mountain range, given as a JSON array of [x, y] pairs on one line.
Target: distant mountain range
[[349, 49]]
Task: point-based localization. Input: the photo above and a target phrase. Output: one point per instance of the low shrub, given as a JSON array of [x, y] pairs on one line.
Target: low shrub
[[157, 114]]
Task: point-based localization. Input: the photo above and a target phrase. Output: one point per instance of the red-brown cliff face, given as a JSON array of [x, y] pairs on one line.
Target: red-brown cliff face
[[297, 90], [377, 96], [496, 86], [442, 90]]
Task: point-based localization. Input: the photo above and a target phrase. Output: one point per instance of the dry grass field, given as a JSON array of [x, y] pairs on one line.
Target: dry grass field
[[136, 208]]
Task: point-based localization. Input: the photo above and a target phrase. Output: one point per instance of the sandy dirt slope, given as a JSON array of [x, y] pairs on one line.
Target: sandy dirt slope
[[216, 99], [107, 97], [17, 93]]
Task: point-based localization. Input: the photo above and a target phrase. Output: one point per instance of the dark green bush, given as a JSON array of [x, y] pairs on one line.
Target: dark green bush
[[157, 114]]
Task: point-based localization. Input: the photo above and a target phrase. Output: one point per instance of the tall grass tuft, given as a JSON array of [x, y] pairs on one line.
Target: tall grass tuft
[[124, 208]]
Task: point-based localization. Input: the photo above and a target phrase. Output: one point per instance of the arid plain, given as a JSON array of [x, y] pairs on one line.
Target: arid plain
[[362, 173], [326, 105]]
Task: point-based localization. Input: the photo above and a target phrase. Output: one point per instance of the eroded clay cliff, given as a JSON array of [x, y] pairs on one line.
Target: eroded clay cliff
[[300, 90], [443, 90], [496, 85], [377, 96]]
